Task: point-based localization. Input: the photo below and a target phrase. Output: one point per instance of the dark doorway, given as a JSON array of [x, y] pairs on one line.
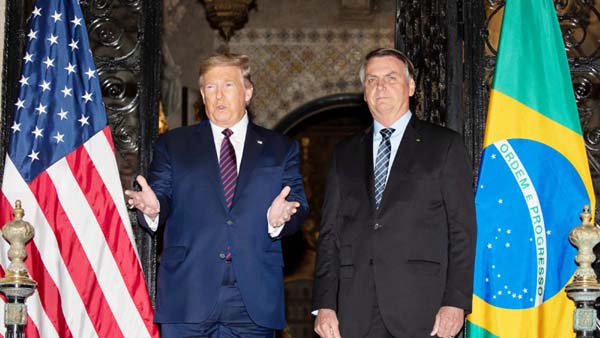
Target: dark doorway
[[318, 126]]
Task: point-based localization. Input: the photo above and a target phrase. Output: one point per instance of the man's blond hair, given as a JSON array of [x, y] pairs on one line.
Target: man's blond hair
[[227, 59]]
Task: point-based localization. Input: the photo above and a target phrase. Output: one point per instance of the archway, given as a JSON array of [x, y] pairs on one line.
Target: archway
[[318, 126]]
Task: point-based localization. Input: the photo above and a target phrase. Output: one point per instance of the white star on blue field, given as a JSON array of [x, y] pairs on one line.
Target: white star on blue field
[[509, 245]]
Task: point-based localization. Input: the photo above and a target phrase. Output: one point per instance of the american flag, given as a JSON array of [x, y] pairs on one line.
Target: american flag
[[61, 165]]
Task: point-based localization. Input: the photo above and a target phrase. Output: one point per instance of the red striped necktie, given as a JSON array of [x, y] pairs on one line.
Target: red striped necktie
[[228, 167]]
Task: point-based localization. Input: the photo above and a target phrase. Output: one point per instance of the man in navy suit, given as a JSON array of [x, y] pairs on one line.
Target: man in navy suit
[[226, 191]]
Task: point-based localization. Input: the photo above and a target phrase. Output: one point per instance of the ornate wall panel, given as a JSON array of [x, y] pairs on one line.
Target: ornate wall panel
[[14, 28], [443, 38], [293, 66], [422, 34], [125, 40]]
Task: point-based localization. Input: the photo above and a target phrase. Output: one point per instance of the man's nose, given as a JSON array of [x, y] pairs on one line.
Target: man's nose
[[380, 85], [219, 92]]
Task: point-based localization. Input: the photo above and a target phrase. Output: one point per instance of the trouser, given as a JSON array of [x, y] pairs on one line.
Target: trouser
[[228, 319]]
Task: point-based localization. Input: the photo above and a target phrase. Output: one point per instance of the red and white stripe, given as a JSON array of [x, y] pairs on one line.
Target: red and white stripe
[[83, 255]]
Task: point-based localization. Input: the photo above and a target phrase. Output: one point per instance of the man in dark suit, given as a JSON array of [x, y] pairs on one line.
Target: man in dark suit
[[397, 238], [220, 272]]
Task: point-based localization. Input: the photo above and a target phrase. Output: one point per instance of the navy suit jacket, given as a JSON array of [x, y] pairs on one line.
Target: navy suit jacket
[[199, 227]]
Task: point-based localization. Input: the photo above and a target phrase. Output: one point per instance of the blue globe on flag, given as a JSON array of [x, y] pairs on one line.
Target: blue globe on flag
[[524, 256]]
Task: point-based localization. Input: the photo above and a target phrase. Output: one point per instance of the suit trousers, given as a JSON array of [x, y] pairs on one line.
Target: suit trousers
[[377, 327], [229, 318]]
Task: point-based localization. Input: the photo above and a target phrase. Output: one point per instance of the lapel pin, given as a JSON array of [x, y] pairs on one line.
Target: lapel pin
[[259, 141], [418, 140]]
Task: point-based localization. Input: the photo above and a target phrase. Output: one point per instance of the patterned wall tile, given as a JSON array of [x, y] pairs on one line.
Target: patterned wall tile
[[291, 67]]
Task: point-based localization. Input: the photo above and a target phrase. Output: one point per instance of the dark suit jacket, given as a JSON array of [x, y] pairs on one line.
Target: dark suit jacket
[[198, 225], [417, 248]]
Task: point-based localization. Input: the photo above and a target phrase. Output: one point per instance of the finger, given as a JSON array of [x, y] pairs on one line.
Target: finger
[[444, 328], [142, 182], [318, 330], [336, 332], [294, 204], [322, 330], [436, 326], [130, 193], [284, 193]]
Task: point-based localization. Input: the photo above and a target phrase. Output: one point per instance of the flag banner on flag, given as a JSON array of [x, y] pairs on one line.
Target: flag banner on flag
[[61, 165], [533, 183]]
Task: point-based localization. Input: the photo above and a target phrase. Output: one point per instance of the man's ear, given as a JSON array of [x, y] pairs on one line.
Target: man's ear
[[248, 91], [411, 87], [202, 94]]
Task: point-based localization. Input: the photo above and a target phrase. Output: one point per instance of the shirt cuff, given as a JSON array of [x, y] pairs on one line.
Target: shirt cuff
[[152, 224], [273, 231]]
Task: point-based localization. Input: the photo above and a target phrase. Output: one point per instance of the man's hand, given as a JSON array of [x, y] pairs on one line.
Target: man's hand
[[448, 322], [144, 200], [326, 324], [281, 210]]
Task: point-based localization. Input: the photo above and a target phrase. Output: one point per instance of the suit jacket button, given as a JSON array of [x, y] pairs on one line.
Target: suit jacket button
[[229, 222], [377, 226], [222, 255]]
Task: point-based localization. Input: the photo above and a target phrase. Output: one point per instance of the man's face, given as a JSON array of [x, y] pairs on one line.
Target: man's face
[[225, 95], [387, 88]]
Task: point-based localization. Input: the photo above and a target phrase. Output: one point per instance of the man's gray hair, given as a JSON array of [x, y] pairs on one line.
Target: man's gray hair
[[409, 69]]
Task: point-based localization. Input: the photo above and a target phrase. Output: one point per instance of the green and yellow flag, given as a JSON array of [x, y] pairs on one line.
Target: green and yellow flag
[[534, 180]]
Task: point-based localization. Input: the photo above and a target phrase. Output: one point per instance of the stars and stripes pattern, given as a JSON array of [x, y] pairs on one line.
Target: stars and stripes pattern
[[61, 165], [382, 162], [228, 167]]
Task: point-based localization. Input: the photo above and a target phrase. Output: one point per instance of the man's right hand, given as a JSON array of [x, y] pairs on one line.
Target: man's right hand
[[327, 325], [144, 200]]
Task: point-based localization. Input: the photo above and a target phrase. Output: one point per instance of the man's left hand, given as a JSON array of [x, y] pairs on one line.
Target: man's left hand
[[281, 210], [448, 322]]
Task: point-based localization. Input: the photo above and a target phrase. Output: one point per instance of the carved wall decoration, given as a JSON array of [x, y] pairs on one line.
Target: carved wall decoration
[[293, 66]]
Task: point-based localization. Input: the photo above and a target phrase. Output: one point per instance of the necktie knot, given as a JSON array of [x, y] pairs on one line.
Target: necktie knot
[[386, 133], [227, 132]]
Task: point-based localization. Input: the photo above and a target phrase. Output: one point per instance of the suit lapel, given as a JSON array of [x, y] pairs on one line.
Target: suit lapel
[[405, 154], [207, 157], [367, 148], [253, 146]]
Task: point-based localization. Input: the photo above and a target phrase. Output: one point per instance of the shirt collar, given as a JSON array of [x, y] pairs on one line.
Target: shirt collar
[[239, 129], [399, 125]]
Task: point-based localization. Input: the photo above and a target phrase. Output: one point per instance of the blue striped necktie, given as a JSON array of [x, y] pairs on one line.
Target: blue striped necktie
[[382, 163], [228, 167]]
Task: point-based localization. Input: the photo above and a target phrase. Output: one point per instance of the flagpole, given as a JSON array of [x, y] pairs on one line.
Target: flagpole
[[16, 284]]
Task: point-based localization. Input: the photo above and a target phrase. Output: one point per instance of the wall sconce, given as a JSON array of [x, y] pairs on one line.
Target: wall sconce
[[227, 15]]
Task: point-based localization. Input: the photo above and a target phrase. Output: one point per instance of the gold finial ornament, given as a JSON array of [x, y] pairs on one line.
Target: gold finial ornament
[[17, 232], [585, 289], [16, 284], [585, 237]]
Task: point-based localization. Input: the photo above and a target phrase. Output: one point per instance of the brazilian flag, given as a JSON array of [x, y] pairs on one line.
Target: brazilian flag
[[534, 181]]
